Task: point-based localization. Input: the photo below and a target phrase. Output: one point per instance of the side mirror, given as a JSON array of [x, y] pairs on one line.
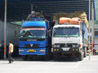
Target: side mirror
[[0, 45], [50, 33], [17, 33]]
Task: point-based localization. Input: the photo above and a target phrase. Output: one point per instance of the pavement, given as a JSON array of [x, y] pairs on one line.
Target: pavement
[[20, 66]]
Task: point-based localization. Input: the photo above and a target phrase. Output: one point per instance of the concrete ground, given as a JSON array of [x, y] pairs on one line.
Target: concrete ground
[[20, 66]]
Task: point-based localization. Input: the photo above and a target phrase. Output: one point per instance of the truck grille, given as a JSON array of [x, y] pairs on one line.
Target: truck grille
[[31, 45], [66, 45]]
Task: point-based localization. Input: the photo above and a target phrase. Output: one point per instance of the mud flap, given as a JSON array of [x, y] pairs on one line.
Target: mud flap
[[80, 58], [85, 52]]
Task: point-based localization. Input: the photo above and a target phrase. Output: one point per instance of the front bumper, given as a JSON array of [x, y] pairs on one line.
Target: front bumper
[[66, 50], [32, 51]]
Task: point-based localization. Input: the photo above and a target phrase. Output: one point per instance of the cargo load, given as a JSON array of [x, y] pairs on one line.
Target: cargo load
[[75, 20], [78, 14]]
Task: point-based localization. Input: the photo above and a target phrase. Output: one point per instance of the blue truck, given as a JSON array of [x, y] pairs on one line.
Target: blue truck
[[34, 38]]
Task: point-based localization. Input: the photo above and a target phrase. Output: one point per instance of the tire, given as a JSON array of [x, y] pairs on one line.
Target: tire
[[85, 52], [46, 58], [55, 57], [48, 55], [24, 58]]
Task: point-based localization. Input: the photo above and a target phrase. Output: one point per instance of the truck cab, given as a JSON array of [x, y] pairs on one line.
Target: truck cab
[[34, 39], [68, 40]]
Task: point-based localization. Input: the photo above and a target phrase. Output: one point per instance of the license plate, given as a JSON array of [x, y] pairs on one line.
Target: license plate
[[65, 49], [31, 50]]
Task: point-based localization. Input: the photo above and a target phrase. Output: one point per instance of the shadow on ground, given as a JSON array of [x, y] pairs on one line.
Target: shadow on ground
[[66, 59]]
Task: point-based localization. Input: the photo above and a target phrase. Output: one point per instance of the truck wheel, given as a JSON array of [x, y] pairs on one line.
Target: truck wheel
[[24, 58], [85, 52], [55, 57], [46, 58], [80, 56]]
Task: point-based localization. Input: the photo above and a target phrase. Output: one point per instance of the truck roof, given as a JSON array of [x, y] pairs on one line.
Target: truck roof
[[34, 23], [56, 26]]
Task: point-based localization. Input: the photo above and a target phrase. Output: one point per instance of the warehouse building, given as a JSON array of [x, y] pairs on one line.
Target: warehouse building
[[19, 9]]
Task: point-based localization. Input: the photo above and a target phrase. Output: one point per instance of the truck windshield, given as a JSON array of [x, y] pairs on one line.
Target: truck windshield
[[66, 32], [33, 33]]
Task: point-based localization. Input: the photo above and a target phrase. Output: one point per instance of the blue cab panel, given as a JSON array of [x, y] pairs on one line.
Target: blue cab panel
[[34, 23], [34, 46], [39, 47]]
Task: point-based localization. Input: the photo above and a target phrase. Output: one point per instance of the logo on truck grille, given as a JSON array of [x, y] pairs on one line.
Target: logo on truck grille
[[31, 45]]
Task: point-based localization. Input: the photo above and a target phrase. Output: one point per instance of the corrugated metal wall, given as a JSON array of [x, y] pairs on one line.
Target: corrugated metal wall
[[62, 6], [19, 9]]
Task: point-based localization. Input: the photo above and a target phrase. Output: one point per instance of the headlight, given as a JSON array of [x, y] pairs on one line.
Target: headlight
[[75, 45], [56, 45], [42, 50], [21, 50]]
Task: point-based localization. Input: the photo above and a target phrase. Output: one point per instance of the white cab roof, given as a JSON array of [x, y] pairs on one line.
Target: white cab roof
[[64, 25]]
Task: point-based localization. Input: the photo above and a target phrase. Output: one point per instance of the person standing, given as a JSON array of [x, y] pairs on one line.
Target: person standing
[[11, 49]]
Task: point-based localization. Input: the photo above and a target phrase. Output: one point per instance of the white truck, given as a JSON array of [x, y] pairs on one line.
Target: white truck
[[70, 39]]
